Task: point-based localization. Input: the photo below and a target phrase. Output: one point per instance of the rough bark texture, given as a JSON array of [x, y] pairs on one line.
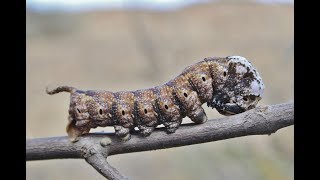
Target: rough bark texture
[[93, 147]]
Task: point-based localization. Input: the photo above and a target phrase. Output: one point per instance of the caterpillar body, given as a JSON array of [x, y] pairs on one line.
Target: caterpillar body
[[229, 84]]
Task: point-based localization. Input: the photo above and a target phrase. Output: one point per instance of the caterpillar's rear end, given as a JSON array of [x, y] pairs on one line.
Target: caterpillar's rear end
[[231, 85], [78, 122]]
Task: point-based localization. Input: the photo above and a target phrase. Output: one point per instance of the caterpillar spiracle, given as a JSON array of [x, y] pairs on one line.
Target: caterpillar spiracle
[[229, 84]]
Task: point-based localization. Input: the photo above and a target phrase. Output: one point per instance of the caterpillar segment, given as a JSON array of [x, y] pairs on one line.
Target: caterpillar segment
[[146, 115], [123, 110]]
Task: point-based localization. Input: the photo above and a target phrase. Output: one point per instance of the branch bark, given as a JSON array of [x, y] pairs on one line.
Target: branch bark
[[100, 163], [95, 148]]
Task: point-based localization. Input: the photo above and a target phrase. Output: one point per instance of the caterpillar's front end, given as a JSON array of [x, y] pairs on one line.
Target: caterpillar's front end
[[240, 88]]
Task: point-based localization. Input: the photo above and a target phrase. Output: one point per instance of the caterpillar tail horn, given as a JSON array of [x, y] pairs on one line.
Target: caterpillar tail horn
[[60, 89]]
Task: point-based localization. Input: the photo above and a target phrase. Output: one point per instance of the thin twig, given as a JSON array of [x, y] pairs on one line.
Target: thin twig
[[100, 163]]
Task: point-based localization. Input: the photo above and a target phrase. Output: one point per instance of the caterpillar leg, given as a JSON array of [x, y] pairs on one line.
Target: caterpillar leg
[[172, 126], [122, 132], [147, 127], [145, 130], [198, 115], [192, 105]]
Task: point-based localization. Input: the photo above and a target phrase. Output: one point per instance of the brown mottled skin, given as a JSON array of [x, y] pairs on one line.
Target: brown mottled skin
[[230, 84]]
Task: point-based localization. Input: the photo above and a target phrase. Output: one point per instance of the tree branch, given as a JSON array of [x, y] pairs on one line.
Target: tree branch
[[99, 162], [258, 121]]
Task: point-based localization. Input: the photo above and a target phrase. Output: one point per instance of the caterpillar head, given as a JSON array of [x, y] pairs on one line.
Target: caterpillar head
[[240, 89]]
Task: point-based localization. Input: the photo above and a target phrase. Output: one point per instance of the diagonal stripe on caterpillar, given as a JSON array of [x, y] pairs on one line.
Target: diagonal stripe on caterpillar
[[229, 84]]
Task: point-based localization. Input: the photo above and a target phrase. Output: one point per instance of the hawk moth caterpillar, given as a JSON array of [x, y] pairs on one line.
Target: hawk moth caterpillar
[[229, 84]]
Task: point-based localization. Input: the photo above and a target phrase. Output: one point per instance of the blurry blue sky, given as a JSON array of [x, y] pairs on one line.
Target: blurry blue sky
[[79, 5]]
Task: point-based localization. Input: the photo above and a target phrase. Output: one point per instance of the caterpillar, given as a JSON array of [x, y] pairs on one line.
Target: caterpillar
[[229, 84]]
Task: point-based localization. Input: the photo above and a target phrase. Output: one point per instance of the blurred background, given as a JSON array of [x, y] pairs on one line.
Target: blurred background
[[126, 45]]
